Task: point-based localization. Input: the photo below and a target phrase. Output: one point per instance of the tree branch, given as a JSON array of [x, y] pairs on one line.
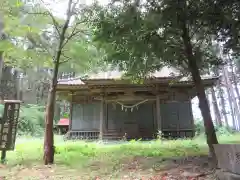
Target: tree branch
[[55, 23], [47, 13], [68, 58], [62, 34], [40, 44], [73, 33]]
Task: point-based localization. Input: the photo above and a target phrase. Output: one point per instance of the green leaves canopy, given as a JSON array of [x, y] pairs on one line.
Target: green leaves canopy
[[223, 21], [31, 36], [141, 36], [21, 20]]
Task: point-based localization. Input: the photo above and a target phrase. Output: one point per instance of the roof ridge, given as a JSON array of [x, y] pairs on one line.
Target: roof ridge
[[72, 78]]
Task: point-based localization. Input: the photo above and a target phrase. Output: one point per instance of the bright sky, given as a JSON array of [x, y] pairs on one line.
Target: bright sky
[[58, 8]]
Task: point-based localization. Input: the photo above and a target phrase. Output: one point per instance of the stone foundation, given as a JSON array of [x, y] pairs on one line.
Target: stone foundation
[[224, 175]]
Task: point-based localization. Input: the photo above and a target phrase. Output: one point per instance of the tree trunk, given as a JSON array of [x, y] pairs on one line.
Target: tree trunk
[[1, 53], [222, 105], [8, 89], [203, 102], [221, 96], [231, 98], [208, 95], [216, 108], [16, 85], [236, 89], [48, 138], [231, 87], [49, 118], [235, 83], [1, 64], [231, 109]]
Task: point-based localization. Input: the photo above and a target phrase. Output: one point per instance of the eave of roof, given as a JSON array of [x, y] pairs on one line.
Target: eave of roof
[[110, 78], [74, 85], [72, 81]]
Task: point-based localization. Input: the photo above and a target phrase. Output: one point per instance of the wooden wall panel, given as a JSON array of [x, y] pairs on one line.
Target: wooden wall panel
[[86, 116], [176, 115], [115, 117], [136, 123], [185, 115], [145, 119], [169, 115]]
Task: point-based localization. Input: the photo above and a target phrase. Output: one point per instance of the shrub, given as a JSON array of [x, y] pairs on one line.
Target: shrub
[[31, 120], [199, 127]]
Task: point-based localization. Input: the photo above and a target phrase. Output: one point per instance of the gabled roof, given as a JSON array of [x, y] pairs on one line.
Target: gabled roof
[[116, 74], [165, 75]]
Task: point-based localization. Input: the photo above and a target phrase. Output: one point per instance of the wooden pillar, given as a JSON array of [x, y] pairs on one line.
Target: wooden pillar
[[70, 113], [159, 120], [102, 118], [192, 118]]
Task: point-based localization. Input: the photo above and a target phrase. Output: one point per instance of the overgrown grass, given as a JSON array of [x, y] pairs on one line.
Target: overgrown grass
[[81, 154]]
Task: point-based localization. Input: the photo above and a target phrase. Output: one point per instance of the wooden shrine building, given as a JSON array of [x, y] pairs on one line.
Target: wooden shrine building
[[113, 108]]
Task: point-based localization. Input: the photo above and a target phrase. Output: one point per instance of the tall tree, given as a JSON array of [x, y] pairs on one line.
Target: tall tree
[[1, 38], [230, 87], [142, 36], [215, 107], [223, 104], [230, 96], [64, 36], [234, 79], [220, 93], [224, 20], [50, 43]]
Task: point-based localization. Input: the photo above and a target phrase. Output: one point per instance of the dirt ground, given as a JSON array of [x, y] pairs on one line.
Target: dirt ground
[[137, 168]]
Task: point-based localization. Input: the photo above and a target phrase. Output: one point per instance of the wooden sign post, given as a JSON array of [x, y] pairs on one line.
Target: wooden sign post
[[8, 127]]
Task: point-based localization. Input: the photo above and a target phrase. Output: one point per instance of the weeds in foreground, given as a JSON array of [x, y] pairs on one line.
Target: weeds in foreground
[[80, 153]]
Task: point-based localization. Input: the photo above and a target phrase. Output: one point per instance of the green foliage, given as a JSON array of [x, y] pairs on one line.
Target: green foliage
[[32, 34], [199, 127], [65, 115], [142, 37], [31, 120], [223, 21], [1, 110], [80, 56], [21, 20], [225, 131], [79, 153]]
